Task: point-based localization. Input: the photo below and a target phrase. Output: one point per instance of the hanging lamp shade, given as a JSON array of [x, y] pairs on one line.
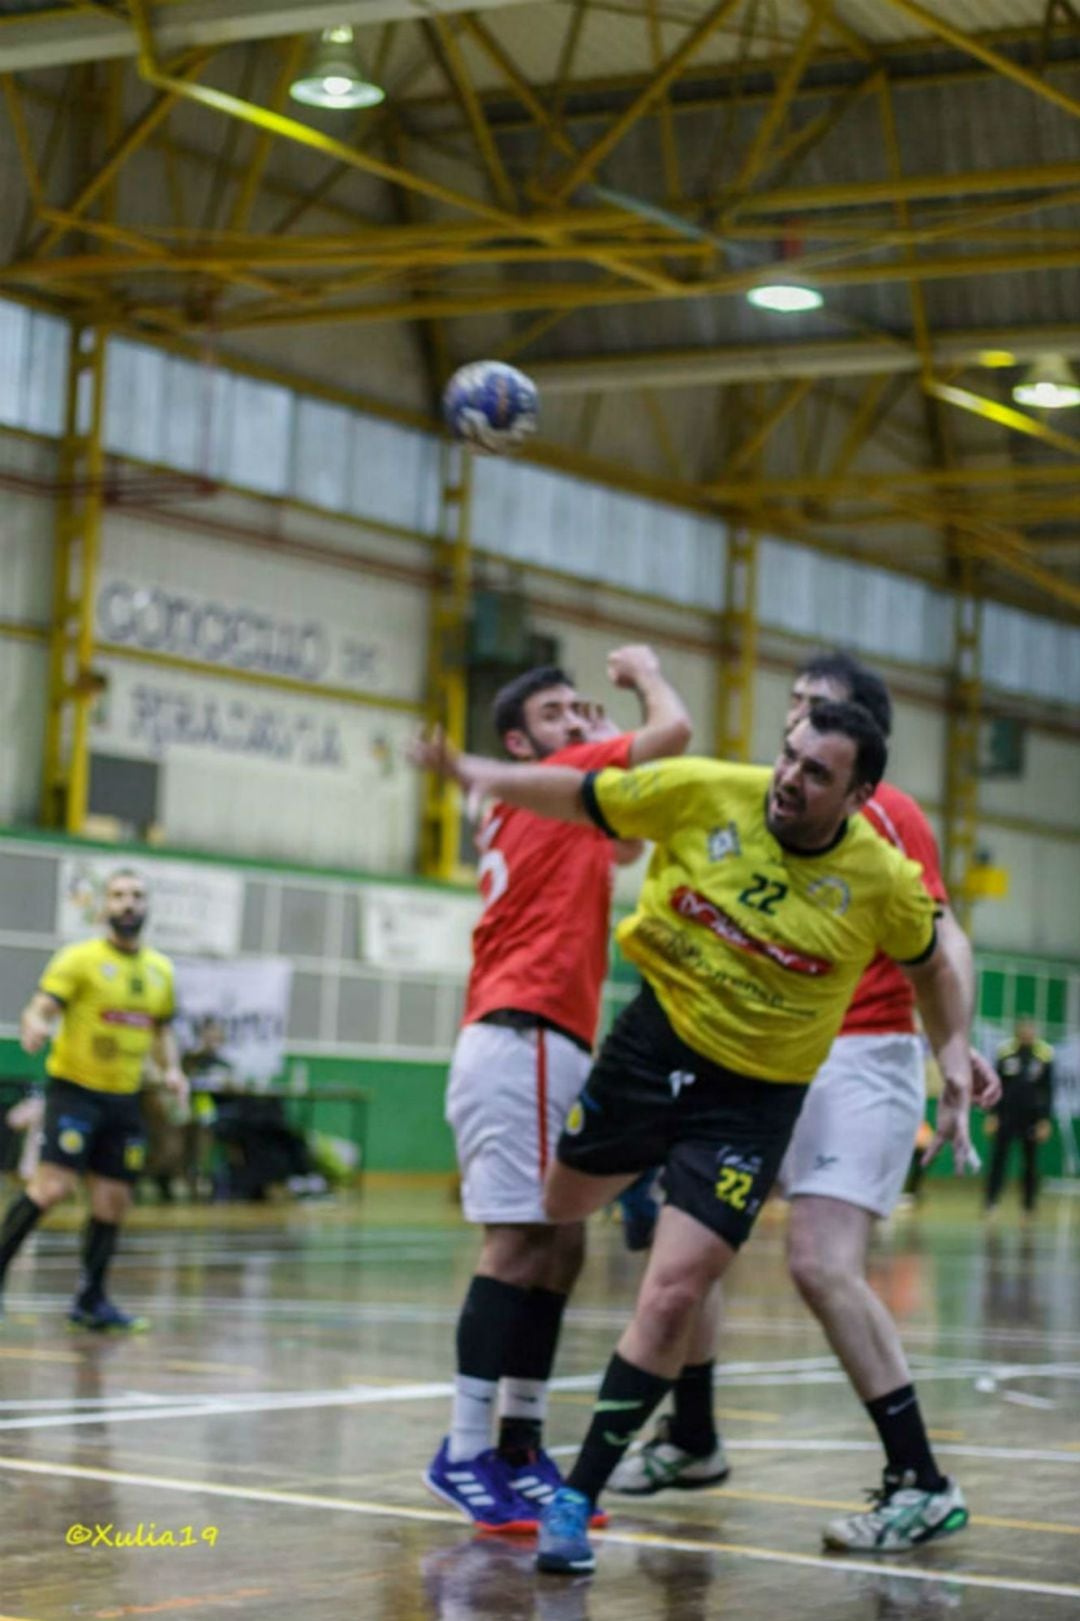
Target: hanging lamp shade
[[333, 76], [1048, 385]]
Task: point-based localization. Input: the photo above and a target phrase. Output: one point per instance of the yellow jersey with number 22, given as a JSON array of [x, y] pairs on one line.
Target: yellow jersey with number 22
[[754, 949]]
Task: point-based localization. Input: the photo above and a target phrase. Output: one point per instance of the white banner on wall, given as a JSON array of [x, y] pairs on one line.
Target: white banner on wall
[[249, 998], [269, 614], [416, 928], [194, 909]]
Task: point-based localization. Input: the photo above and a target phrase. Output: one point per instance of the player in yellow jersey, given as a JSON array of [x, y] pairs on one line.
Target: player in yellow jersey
[[765, 899], [105, 1005]]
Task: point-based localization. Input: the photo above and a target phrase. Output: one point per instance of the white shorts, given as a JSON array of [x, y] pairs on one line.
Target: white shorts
[[509, 1094], [855, 1135]]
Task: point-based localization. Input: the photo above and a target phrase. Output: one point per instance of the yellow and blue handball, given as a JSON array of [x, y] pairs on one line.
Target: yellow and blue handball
[[491, 407]]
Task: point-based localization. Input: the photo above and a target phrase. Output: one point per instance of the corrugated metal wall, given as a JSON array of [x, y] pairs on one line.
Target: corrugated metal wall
[[263, 437], [311, 776], [26, 539]]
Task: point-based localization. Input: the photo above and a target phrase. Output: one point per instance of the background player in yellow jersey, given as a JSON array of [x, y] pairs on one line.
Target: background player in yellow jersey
[[105, 1004], [765, 899]]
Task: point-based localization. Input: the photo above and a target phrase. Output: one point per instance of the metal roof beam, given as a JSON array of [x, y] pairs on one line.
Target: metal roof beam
[[752, 363], [57, 39]]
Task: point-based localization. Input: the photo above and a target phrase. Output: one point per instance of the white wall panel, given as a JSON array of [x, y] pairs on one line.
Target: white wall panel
[[190, 595], [772, 691], [554, 521], [22, 727], [393, 474], [1022, 652], [255, 772], [26, 533], [1040, 913], [868, 609], [33, 366], [917, 751], [1048, 791]]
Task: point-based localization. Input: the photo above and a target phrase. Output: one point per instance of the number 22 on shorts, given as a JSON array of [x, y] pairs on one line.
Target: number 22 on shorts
[[733, 1187]]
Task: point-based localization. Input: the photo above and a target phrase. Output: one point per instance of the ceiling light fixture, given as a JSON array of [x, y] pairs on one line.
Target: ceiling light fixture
[[1049, 385], [785, 298], [333, 76]]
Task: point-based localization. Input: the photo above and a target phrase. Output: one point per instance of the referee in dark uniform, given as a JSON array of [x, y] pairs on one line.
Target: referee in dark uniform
[[1026, 1068], [105, 1005]]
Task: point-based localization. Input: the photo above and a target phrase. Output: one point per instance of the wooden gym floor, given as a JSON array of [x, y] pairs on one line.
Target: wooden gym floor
[[296, 1383]]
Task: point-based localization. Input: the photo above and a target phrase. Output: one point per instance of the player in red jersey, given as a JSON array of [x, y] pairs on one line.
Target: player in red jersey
[[845, 1168], [524, 1050]]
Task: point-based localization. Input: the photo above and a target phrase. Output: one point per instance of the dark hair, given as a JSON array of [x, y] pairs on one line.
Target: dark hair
[[508, 710], [124, 872], [864, 686], [852, 720]]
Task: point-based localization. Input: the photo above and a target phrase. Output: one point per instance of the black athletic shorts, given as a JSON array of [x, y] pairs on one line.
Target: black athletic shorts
[[652, 1100], [94, 1131]]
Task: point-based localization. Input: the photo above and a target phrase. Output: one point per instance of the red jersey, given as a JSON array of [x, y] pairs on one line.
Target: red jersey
[[541, 944], [884, 1000]]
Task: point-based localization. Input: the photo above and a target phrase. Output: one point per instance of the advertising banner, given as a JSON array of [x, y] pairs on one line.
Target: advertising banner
[[417, 928], [249, 998], [195, 909]]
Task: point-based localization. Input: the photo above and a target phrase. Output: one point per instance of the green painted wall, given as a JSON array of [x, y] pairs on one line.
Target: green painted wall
[[405, 1127]]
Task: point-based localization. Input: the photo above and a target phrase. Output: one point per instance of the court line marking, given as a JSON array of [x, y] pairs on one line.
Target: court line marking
[[234, 1406], [1069, 1452], [582, 1317], [42, 1404], [828, 1502], [240, 1404], [633, 1539]]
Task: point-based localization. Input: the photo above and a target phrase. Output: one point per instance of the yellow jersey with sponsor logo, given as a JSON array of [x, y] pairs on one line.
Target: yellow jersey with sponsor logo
[[753, 949], [113, 1002]]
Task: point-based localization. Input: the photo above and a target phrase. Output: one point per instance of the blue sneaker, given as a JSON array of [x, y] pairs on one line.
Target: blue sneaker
[[564, 1544], [640, 1211], [538, 1480], [105, 1318], [478, 1487]]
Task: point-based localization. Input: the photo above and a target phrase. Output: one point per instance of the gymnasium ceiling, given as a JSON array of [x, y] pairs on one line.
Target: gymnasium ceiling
[[588, 188]]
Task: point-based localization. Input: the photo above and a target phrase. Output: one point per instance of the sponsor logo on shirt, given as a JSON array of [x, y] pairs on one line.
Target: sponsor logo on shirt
[[833, 894], [724, 841], [698, 908], [136, 1020]]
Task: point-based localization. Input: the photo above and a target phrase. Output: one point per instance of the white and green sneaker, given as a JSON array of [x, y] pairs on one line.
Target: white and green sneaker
[[660, 1464], [901, 1517]]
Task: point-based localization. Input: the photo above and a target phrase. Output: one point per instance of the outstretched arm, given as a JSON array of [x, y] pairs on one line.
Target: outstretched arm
[[666, 727], [985, 1083], [37, 1020], [167, 1057], [944, 997], [546, 790]]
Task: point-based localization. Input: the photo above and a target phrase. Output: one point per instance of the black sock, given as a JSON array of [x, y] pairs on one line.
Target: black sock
[[99, 1241], [628, 1397], [903, 1435], [530, 1356], [486, 1327], [692, 1424], [20, 1219]]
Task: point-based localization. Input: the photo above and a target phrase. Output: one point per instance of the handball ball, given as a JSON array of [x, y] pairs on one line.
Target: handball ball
[[490, 406]]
